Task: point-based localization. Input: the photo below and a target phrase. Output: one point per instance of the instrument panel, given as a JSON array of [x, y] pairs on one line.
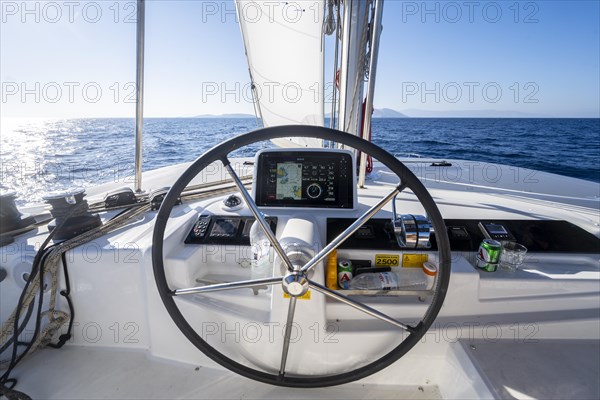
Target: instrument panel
[[539, 236], [222, 229], [305, 178]]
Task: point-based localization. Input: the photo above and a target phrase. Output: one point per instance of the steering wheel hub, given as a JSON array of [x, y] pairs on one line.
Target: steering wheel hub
[[295, 284]]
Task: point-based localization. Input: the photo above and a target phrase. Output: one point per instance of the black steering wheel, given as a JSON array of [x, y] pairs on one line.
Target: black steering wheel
[[296, 281]]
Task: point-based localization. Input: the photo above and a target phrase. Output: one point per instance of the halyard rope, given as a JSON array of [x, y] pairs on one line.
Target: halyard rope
[[52, 261], [51, 266]]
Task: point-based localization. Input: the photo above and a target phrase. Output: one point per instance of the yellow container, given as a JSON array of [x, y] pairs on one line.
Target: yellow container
[[331, 280]]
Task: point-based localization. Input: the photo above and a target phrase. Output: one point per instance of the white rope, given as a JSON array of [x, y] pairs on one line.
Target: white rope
[[56, 318]]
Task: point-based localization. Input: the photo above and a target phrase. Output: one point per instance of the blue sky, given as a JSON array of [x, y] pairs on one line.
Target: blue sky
[[530, 57]]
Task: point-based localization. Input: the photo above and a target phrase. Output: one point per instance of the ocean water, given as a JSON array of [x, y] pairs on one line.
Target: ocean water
[[39, 156]]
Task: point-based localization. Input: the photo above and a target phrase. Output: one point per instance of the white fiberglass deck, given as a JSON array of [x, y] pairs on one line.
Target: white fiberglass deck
[[549, 369], [544, 369], [76, 372], [552, 300]]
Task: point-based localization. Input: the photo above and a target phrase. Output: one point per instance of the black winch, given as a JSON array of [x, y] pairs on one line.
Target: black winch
[[12, 222], [71, 213]]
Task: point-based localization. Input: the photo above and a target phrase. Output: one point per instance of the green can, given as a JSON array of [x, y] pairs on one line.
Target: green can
[[345, 273], [488, 256]]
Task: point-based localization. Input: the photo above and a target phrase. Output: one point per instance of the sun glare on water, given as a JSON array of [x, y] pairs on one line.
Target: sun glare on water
[[33, 152]]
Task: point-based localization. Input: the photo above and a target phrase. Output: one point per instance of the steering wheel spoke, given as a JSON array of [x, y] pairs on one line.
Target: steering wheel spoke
[[342, 237], [359, 306], [218, 287], [287, 335], [260, 219]]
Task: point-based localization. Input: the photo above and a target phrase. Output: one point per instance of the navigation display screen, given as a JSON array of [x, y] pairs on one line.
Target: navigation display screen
[[289, 181], [318, 179]]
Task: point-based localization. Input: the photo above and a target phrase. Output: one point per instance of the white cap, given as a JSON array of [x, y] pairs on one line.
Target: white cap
[[430, 268]]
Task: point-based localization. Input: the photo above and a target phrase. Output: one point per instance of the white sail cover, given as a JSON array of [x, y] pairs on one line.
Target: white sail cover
[[284, 47]]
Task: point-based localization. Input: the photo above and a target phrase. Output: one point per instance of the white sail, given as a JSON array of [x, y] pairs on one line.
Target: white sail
[[284, 47]]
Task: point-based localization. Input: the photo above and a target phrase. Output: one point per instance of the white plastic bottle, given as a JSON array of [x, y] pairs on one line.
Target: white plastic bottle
[[374, 281], [406, 279], [412, 279], [261, 265]]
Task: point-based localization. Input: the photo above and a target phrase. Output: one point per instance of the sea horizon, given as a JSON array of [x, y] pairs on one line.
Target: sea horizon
[[43, 154]]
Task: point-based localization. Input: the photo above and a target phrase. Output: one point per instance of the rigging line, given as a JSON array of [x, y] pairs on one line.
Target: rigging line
[[336, 101], [36, 269], [10, 393], [39, 274], [39, 269], [345, 28], [329, 23], [334, 89], [30, 306], [66, 293], [255, 101], [28, 294], [55, 323], [21, 328], [189, 191]]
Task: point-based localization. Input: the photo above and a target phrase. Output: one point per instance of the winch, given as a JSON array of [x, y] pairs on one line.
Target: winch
[[71, 213], [12, 221]]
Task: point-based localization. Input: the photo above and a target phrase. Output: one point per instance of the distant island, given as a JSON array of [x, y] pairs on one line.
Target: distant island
[[415, 113], [241, 115], [378, 113], [383, 113], [388, 113]]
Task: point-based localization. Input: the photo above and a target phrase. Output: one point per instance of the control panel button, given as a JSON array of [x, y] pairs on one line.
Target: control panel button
[[215, 229]]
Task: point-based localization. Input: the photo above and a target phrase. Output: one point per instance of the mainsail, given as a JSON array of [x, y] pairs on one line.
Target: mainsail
[[284, 47]]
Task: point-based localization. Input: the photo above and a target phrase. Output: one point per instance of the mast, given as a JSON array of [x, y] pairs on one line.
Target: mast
[[139, 100], [366, 128], [358, 30], [352, 67], [346, 26]]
